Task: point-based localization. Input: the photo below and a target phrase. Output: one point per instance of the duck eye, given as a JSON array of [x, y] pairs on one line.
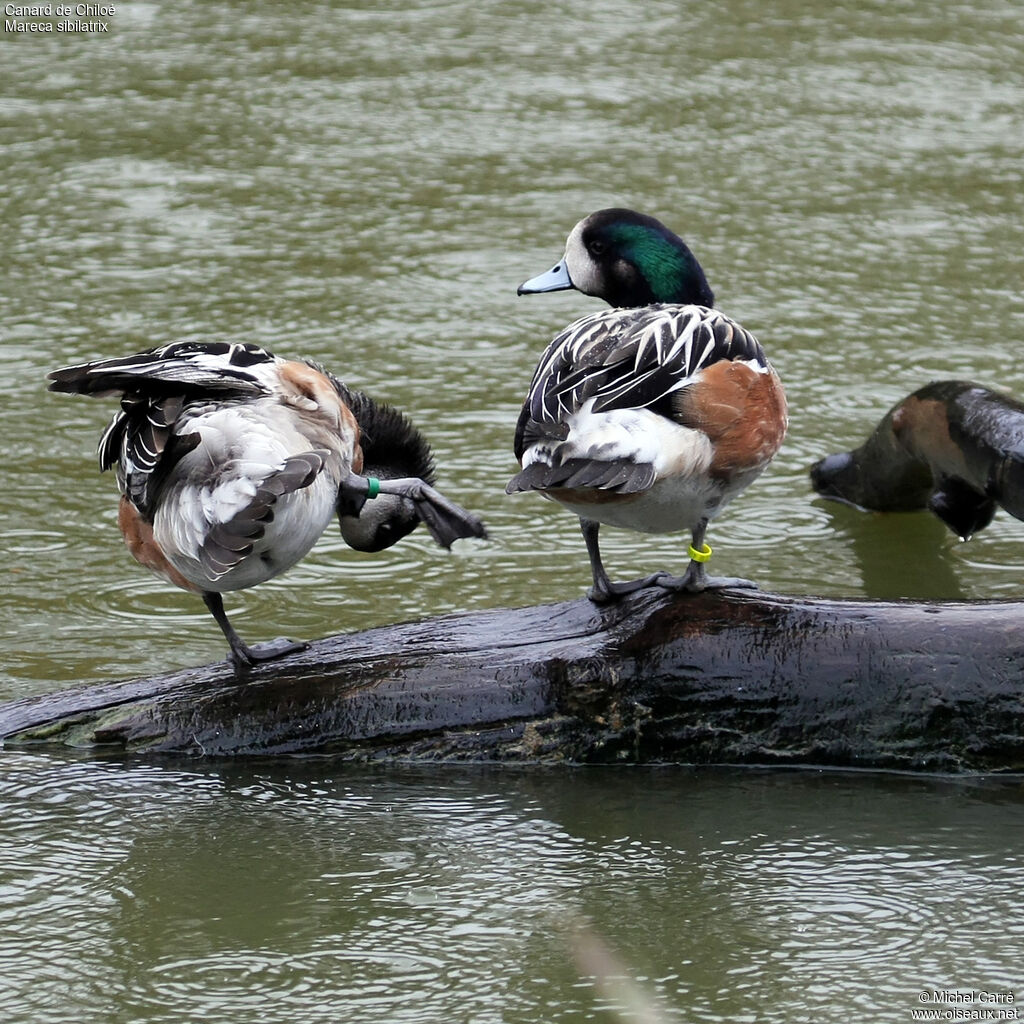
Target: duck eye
[[597, 247]]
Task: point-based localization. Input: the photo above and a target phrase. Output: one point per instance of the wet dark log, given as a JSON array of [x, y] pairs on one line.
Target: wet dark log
[[954, 447], [738, 677]]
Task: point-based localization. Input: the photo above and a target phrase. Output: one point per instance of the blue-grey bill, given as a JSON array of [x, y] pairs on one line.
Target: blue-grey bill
[[555, 280]]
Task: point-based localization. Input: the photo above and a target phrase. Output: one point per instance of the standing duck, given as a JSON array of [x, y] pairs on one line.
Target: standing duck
[[232, 462], [652, 415]]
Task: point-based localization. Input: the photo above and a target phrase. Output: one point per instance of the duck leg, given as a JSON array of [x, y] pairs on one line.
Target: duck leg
[[603, 589], [696, 578], [242, 655], [446, 521]]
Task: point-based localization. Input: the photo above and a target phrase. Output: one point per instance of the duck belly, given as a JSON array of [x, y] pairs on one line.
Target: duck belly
[[219, 483], [669, 505], [684, 490], [299, 520]]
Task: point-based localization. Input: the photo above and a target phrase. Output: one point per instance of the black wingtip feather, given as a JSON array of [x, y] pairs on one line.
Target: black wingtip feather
[[69, 380]]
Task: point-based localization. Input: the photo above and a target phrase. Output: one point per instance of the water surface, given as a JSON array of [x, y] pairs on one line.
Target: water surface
[[366, 184], [150, 893]]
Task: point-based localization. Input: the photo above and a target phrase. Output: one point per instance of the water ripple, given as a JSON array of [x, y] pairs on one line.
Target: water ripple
[[366, 185], [418, 896]]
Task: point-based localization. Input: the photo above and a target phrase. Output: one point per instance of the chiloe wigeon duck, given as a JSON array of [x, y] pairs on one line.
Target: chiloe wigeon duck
[[650, 416], [232, 462]]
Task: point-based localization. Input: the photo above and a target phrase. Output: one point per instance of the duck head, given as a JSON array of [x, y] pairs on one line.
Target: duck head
[[627, 259]]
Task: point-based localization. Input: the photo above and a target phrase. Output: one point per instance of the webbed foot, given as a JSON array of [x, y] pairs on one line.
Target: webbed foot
[[608, 592], [244, 656], [696, 579], [690, 585]]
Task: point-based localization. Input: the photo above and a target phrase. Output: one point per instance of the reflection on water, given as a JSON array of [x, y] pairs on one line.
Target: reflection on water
[[926, 547], [279, 894]]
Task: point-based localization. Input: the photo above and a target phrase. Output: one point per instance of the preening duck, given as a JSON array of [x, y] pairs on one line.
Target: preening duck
[[652, 415], [232, 462]]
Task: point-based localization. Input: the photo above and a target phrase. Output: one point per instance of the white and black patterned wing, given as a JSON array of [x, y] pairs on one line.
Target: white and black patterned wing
[[627, 359], [182, 368], [142, 443], [156, 386]]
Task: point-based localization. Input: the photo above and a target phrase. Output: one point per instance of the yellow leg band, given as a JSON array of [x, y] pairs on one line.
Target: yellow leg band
[[700, 556]]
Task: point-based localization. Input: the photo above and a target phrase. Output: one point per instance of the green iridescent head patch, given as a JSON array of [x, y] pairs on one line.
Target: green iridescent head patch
[[668, 266]]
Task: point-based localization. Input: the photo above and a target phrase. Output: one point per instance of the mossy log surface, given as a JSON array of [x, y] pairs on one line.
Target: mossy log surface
[[731, 678]]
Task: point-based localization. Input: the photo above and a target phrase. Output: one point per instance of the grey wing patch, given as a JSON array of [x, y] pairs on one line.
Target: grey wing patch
[[617, 477], [227, 544]]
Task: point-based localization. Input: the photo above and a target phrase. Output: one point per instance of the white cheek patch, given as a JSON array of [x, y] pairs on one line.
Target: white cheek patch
[[583, 272]]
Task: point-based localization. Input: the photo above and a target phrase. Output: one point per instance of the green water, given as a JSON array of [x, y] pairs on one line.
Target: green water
[[366, 185], [263, 895]]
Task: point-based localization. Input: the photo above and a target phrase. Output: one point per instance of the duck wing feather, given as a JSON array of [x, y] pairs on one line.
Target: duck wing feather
[[628, 359], [227, 544]]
